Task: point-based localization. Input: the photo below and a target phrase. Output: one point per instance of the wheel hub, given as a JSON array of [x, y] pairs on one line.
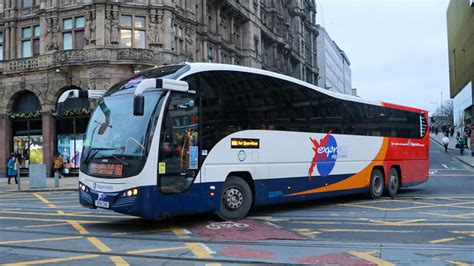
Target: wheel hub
[[233, 198], [377, 185]]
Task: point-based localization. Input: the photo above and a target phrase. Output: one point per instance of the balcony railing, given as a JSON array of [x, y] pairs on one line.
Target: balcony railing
[[79, 57]]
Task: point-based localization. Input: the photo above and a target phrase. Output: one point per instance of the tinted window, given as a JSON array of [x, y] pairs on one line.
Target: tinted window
[[235, 101]]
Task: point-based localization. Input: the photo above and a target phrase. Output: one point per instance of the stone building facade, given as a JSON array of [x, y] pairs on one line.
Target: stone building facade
[[49, 46]]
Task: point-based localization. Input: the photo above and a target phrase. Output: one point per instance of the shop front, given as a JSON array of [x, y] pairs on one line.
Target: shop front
[[27, 132], [70, 130]]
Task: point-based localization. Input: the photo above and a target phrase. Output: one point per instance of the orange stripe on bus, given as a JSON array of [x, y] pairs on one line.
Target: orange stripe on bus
[[359, 180]]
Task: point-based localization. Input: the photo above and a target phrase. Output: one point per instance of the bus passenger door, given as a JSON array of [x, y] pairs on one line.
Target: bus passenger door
[[179, 155]]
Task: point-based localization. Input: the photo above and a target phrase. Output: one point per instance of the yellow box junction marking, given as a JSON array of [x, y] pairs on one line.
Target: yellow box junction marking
[[78, 227], [199, 251], [180, 232], [40, 240], [36, 262], [117, 260], [156, 250], [99, 244], [44, 200], [368, 256], [442, 240]]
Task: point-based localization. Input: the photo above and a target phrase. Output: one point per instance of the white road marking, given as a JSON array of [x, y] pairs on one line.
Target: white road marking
[[445, 166]]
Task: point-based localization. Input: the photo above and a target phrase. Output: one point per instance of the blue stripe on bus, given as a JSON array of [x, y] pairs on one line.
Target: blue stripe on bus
[[152, 204]]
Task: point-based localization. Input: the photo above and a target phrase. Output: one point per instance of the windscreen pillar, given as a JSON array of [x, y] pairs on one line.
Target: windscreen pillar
[[5, 142], [49, 138]]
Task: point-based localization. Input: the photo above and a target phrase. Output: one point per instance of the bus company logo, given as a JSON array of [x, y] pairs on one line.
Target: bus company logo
[[325, 155], [132, 83], [409, 143], [101, 196]]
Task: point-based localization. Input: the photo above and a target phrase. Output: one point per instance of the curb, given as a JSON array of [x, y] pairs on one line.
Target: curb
[[441, 144], [40, 190], [464, 162]]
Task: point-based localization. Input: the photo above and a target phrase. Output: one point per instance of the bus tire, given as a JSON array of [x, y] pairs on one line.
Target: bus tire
[[236, 199], [393, 183], [376, 185]]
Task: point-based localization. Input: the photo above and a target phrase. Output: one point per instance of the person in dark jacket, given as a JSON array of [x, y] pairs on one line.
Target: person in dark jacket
[[12, 168]]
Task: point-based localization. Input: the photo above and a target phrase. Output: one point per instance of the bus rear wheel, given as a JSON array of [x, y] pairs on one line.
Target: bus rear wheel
[[376, 184], [393, 183], [236, 199]]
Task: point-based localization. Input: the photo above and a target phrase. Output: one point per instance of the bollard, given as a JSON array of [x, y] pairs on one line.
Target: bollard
[[56, 179], [18, 178]]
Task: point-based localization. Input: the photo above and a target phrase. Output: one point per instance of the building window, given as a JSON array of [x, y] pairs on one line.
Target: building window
[[132, 32], [73, 33], [30, 41], [210, 55], [26, 3], [1, 46]]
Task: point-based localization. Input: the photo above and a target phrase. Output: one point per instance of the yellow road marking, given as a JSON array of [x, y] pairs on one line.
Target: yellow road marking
[[33, 262], [312, 222], [155, 250], [44, 200], [40, 240], [78, 227], [367, 231], [118, 260], [394, 223], [140, 232], [442, 240], [72, 214], [44, 225], [368, 256], [470, 233], [425, 206], [459, 263], [180, 232], [99, 244], [199, 251], [49, 220], [460, 216]]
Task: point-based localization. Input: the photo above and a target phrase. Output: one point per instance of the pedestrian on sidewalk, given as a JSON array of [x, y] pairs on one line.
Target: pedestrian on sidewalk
[[461, 143], [445, 143], [12, 168], [58, 165]]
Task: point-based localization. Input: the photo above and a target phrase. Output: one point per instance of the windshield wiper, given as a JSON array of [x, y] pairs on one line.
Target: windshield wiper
[[93, 152]]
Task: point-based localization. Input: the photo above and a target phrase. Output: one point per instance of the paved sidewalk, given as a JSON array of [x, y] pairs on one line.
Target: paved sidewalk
[[467, 158], [65, 184]]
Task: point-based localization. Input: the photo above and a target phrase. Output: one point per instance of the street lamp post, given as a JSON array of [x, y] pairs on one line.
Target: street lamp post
[[441, 103], [436, 107]]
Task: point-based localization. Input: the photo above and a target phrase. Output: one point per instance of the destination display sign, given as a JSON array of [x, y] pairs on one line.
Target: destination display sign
[[106, 169], [245, 143]]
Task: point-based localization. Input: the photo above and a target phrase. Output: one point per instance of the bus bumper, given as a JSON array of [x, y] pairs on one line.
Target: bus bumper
[[126, 202]]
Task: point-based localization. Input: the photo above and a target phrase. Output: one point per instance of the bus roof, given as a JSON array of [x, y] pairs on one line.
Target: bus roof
[[203, 67]]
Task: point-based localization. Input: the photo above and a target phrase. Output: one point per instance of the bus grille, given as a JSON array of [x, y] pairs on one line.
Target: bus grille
[[122, 202], [86, 197]]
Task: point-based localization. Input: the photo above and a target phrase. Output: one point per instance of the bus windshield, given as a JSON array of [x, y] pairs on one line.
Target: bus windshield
[[115, 131]]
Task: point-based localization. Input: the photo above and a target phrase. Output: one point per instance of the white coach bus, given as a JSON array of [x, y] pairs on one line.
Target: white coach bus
[[201, 137]]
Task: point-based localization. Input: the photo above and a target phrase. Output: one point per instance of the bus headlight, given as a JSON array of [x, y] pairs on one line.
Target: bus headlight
[[130, 192], [83, 187]]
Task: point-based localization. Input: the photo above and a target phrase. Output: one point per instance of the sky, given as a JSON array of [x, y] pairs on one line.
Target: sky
[[397, 48]]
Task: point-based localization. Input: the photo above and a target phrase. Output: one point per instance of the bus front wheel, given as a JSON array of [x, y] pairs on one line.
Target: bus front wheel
[[236, 199], [376, 184]]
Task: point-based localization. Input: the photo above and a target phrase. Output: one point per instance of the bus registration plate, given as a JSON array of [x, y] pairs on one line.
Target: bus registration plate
[[102, 204]]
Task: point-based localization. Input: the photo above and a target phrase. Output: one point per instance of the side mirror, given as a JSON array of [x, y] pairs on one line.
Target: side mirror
[[138, 105]]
